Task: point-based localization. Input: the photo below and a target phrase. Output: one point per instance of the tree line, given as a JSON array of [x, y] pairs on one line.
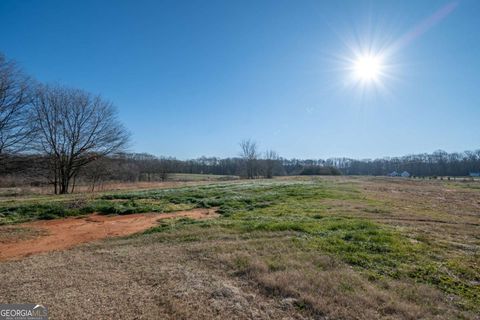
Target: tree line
[[34, 169], [438, 163], [134, 167], [60, 136]]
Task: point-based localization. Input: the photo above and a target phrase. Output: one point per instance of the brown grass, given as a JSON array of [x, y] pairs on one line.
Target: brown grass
[[321, 286], [134, 279], [213, 272]]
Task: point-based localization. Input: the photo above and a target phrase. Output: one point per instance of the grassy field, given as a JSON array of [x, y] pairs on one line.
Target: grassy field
[[323, 248], [174, 180], [199, 177]]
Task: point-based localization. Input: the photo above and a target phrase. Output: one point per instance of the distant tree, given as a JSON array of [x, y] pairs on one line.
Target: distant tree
[[319, 171], [74, 128], [271, 161], [163, 167], [249, 153], [97, 172], [15, 101]]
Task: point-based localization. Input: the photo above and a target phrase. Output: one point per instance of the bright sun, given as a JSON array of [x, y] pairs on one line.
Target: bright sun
[[367, 68]]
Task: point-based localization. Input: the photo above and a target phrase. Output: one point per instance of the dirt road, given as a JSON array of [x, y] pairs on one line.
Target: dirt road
[[65, 233]]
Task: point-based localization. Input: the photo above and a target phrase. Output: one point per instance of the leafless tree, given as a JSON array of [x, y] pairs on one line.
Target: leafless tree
[[15, 99], [249, 153], [164, 167], [271, 161], [97, 172], [74, 128]]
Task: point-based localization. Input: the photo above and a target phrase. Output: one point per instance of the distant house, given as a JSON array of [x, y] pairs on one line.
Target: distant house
[[405, 174], [474, 174], [394, 174]]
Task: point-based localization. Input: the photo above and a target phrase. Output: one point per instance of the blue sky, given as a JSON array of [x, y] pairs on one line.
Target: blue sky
[[194, 78]]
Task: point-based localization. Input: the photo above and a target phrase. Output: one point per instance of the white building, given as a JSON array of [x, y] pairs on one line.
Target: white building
[[405, 174]]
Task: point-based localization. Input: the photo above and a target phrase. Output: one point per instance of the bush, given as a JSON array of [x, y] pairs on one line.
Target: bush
[[52, 213]]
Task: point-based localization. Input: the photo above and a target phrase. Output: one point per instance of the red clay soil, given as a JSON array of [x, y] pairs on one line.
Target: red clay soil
[[65, 233]]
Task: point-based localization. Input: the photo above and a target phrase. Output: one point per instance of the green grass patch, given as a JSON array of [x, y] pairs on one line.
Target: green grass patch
[[313, 212], [44, 211]]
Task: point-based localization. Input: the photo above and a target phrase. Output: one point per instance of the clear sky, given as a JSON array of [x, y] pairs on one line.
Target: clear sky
[[193, 78]]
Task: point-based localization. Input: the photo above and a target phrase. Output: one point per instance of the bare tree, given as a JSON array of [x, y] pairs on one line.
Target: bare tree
[[249, 153], [271, 161], [74, 128], [15, 99], [164, 167], [97, 172]]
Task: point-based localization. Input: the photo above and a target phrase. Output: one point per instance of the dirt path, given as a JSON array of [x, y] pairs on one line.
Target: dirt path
[[65, 233]]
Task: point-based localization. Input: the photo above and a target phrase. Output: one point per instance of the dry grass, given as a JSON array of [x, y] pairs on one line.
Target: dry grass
[[330, 248], [324, 287], [9, 234], [134, 279]]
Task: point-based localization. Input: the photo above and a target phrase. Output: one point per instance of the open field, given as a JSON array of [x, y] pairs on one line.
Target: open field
[[174, 180], [293, 248]]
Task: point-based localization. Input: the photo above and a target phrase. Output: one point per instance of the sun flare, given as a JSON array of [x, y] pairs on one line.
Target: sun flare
[[367, 68]]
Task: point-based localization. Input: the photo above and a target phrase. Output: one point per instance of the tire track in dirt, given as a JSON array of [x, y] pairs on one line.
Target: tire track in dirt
[[65, 233]]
